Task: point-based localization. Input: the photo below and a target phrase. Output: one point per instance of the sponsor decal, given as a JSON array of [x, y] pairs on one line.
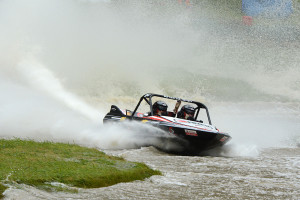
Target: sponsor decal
[[122, 118], [171, 130], [190, 132], [140, 114], [144, 121], [223, 139]]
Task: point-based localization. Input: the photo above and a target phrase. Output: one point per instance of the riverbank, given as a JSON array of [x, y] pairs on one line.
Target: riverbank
[[45, 164]]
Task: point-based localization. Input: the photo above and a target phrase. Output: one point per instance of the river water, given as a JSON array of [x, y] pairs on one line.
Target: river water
[[60, 73], [274, 174]]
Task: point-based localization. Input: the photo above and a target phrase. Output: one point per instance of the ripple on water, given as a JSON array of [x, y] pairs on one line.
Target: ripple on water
[[274, 174]]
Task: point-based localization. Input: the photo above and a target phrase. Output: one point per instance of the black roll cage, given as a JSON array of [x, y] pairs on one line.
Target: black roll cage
[[148, 98]]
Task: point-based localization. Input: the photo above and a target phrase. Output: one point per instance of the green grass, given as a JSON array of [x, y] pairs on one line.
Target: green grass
[[2, 189], [39, 164]]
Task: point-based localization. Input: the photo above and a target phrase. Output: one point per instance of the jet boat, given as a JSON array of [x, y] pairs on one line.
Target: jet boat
[[194, 135]]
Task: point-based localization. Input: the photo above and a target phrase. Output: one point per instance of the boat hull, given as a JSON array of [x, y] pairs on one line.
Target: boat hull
[[190, 137]]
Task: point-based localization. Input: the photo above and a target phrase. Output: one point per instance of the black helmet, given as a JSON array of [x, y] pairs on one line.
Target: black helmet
[[160, 105], [188, 109], [186, 112]]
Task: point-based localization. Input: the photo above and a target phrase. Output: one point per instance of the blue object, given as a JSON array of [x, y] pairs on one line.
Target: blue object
[[267, 8]]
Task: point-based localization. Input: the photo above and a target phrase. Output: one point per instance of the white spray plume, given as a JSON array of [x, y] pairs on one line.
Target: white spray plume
[[41, 78], [112, 52]]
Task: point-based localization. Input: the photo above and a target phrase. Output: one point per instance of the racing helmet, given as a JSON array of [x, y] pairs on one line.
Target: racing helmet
[[159, 106], [188, 109], [187, 112]]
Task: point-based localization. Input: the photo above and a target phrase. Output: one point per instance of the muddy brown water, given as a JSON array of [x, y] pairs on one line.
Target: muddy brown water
[[273, 174]]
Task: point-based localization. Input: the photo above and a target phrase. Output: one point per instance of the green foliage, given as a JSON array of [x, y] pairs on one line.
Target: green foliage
[[37, 164], [2, 189]]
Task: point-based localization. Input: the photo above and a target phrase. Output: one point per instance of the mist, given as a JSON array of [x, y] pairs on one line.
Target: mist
[[63, 63]]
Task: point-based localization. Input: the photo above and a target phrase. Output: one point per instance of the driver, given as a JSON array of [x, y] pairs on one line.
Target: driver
[[160, 108], [187, 112]]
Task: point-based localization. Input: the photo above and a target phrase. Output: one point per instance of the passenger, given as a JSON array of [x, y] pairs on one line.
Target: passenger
[[160, 108], [187, 112]]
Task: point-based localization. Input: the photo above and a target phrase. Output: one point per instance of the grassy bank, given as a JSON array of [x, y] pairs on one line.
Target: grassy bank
[[39, 164]]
